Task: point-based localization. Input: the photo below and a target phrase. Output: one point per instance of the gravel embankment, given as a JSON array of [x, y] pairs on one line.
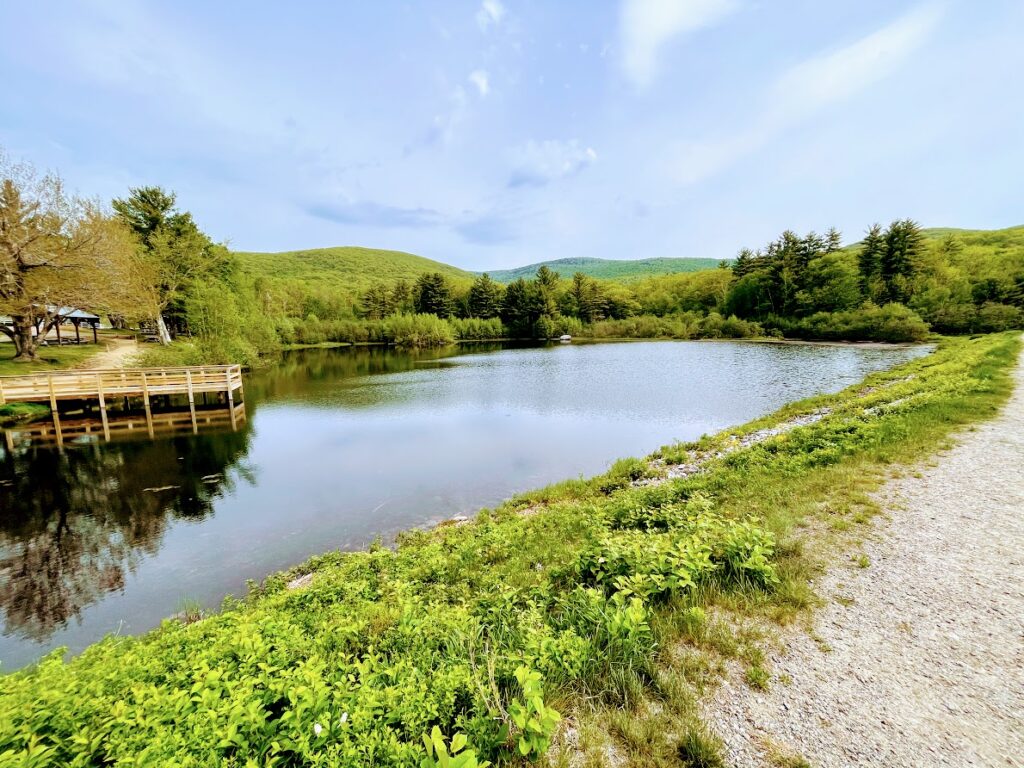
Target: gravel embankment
[[918, 659]]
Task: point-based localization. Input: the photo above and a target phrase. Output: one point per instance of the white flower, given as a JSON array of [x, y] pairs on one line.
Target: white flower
[[344, 718], [317, 728]]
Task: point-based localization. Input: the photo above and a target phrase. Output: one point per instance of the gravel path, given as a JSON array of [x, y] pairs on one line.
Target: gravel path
[[918, 659]]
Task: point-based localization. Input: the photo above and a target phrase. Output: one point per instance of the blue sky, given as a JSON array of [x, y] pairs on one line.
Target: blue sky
[[494, 133]]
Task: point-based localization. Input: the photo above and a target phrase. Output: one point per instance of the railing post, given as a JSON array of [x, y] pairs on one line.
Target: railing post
[[103, 406], [231, 397], [191, 402], [145, 400], [54, 410]]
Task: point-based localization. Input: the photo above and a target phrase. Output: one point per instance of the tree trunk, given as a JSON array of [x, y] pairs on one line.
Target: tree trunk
[[25, 341], [161, 326]]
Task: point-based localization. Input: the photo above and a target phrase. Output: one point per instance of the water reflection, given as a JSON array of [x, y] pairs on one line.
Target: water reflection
[[336, 447], [75, 522]]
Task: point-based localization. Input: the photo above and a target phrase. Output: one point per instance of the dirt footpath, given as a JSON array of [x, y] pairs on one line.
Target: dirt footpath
[[918, 658], [118, 354]]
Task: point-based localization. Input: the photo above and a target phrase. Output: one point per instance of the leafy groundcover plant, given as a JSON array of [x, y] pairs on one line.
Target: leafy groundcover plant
[[485, 642]]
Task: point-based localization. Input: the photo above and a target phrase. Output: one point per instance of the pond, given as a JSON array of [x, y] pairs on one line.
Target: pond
[[340, 446]]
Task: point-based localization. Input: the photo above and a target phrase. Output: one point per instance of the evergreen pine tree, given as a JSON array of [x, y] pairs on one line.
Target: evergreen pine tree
[[869, 260]]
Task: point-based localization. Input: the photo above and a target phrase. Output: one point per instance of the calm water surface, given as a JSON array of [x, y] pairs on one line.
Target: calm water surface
[[341, 446]]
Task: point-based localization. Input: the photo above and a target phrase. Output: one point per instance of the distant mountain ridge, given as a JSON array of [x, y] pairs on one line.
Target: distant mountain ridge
[[347, 267], [354, 269], [608, 269]]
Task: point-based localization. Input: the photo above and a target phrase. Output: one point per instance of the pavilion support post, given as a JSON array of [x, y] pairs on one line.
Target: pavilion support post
[[95, 338], [78, 336], [103, 407], [145, 401], [192, 402], [57, 326], [54, 410]]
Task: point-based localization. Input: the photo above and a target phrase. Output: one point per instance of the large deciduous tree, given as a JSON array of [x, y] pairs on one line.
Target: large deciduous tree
[[58, 251]]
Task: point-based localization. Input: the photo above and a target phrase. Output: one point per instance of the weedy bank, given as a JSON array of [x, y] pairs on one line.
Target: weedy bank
[[575, 624]]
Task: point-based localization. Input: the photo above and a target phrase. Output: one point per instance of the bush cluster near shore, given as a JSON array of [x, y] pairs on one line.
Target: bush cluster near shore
[[480, 639]]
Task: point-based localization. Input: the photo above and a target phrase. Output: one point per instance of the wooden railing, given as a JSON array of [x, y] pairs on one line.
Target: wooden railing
[[103, 383], [118, 382]]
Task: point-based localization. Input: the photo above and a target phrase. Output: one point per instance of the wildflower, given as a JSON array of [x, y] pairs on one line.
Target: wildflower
[[344, 718], [317, 728]]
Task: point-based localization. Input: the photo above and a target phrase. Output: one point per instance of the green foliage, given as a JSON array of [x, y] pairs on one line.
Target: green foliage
[[809, 287], [485, 298], [418, 331], [454, 755], [476, 329], [475, 630], [432, 295], [625, 270], [345, 270], [893, 322], [534, 721], [805, 286]]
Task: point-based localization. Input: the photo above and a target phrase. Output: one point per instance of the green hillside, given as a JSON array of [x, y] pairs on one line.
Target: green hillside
[[346, 268], [625, 270]]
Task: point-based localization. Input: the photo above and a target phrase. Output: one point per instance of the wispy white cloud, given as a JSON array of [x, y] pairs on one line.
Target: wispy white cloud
[[647, 25], [810, 87], [488, 227], [372, 214], [540, 162], [490, 14], [480, 79]]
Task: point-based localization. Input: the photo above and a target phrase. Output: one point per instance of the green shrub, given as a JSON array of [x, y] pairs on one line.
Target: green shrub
[[419, 331], [893, 323], [477, 329]]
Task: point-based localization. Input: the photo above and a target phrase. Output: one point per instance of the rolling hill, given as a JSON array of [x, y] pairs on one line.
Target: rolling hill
[[353, 269], [347, 268], [624, 270]]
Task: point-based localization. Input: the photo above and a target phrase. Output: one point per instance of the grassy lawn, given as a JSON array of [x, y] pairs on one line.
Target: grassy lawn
[[50, 358], [580, 623]]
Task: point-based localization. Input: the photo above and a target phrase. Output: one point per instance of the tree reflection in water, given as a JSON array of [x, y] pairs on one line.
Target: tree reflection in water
[[74, 524]]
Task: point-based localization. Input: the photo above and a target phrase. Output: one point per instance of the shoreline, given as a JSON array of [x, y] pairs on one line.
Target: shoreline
[[539, 554]]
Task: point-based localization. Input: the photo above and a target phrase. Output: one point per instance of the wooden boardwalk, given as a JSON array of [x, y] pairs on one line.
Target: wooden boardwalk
[[101, 385]]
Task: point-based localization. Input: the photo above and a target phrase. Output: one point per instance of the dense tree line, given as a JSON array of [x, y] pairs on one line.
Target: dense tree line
[[810, 286], [145, 261], [896, 284]]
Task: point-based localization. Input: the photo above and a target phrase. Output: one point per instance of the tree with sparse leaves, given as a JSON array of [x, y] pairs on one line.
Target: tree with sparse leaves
[[58, 251]]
